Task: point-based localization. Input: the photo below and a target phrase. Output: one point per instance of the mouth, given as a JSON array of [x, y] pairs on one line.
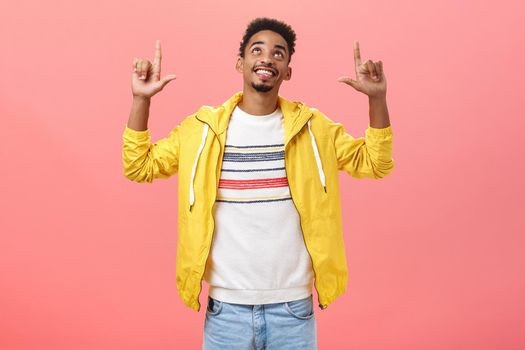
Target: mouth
[[265, 73]]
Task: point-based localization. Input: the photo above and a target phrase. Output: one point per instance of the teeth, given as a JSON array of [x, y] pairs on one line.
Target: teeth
[[264, 71]]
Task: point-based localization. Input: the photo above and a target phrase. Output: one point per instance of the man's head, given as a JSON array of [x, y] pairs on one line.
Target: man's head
[[265, 53]]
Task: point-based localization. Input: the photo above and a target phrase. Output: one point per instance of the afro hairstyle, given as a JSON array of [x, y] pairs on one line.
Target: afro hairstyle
[[264, 23]]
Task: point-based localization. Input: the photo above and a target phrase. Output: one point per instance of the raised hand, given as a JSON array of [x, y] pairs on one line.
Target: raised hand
[[370, 78], [146, 81]]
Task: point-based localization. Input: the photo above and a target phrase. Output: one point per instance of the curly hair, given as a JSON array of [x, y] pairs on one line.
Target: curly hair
[[264, 23]]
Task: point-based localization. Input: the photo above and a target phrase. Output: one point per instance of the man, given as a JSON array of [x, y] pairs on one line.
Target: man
[[259, 213]]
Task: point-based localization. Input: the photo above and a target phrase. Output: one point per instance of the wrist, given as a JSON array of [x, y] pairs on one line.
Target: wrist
[[141, 99], [378, 112], [377, 99]]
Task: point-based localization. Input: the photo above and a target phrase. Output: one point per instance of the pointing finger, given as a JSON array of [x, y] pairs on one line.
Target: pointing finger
[[357, 54], [157, 60]]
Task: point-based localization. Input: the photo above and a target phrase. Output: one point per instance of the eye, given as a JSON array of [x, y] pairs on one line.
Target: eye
[[279, 53], [256, 50]]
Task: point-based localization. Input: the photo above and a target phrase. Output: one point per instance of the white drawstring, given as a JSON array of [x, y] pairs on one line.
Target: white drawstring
[[204, 134], [317, 158]]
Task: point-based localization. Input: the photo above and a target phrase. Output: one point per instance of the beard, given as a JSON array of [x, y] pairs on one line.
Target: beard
[[262, 87]]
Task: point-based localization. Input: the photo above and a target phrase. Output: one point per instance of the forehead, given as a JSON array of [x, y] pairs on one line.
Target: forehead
[[268, 37]]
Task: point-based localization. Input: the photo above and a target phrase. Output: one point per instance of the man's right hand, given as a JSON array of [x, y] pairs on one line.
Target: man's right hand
[[146, 80]]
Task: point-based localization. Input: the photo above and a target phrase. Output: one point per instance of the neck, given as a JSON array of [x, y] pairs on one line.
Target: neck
[[258, 103]]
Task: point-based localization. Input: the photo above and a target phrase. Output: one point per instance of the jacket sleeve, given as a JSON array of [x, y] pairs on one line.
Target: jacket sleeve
[[143, 161], [363, 157]]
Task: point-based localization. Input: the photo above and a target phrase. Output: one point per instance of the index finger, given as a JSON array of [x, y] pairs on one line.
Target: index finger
[[158, 57], [357, 54]]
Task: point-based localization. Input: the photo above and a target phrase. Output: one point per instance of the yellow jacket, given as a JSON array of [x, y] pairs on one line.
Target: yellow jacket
[[315, 149]]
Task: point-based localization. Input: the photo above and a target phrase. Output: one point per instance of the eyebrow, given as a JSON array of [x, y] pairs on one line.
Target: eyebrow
[[262, 42]]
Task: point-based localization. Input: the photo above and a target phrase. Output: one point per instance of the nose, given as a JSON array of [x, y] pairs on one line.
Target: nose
[[267, 63], [267, 59]]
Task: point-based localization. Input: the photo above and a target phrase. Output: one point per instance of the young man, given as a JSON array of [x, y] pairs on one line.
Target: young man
[[259, 214]]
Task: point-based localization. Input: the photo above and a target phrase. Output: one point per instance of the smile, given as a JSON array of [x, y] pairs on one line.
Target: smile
[[265, 73]]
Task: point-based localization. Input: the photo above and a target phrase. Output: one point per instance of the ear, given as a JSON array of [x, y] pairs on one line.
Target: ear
[[288, 75], [239, 66]]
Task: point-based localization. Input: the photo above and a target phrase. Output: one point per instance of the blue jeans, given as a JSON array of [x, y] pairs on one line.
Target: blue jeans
[[286, 325]]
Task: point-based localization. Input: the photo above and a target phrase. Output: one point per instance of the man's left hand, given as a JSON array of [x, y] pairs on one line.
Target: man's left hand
[[370, 78]]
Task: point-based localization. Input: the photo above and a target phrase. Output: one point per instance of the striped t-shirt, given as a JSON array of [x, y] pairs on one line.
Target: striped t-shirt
[[258, 254]]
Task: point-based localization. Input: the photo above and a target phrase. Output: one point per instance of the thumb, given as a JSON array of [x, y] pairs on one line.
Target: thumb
[[347, 80], [167, 79]]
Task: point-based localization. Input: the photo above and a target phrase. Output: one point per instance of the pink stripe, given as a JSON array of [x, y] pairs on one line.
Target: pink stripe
[[254, 181], [254, 186]]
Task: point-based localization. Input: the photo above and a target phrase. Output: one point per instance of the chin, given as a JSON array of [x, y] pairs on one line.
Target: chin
[[262, 87]]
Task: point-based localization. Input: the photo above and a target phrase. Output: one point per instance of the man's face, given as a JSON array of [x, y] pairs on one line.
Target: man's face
[[265, 62]]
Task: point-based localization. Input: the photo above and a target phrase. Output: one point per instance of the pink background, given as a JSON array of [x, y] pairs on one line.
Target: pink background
[[435, 250]]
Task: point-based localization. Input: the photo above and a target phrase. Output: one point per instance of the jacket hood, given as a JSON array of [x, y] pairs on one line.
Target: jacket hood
[[295, 114]]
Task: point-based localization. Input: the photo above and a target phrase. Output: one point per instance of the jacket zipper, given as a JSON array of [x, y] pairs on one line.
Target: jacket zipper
[[213, 229], [302, 231]]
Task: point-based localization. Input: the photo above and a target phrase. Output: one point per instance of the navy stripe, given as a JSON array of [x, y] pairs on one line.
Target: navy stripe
[[256, 201], [251, 160], [249, 170], [242, 157], [255, 154], [277, 145], [275, 157]]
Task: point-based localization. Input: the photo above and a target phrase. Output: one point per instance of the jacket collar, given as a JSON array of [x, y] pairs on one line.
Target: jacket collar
[[295, 114]]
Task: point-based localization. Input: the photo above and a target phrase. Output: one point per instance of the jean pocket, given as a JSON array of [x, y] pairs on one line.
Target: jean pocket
[[302, 309], [214, 306]]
